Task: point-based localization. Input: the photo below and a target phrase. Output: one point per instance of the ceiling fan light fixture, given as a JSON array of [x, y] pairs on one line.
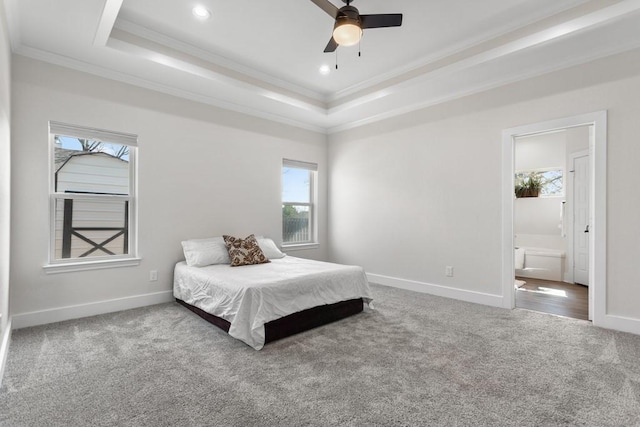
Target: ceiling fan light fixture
[[347, 33], [348, 26]]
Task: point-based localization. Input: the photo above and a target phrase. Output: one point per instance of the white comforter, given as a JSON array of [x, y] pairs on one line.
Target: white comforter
[[250, 296]]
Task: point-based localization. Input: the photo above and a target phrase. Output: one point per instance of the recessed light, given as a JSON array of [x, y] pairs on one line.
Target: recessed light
[[201, 12], [325, 69]]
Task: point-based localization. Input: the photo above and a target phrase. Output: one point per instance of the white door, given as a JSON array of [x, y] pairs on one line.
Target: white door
[[581, 220]]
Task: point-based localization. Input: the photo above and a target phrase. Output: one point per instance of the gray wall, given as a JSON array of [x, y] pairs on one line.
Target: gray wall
[[203, 172], [408, 195], [413, 194]]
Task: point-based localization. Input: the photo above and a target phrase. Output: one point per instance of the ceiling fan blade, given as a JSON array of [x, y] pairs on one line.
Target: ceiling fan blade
[[327, 7], [381, 20], [331, 46]]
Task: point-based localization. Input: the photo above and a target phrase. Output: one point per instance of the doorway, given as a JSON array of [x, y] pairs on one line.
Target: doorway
[[551, 221], [595, 163]]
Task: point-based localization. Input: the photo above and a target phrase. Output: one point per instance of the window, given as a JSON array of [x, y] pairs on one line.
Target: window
[[298, 202], [92, 197], [552, 183], [549, 182]]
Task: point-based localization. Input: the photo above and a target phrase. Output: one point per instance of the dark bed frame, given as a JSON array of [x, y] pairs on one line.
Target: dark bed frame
[[293, 323]]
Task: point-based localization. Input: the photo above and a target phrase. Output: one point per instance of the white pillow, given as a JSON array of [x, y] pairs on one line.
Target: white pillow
[[269, 248], [202, 252]]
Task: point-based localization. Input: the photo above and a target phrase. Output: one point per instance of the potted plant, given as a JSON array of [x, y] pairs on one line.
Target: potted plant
[[528, 184]]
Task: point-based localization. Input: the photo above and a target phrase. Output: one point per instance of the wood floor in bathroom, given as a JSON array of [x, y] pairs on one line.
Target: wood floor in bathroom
[[564, 299]]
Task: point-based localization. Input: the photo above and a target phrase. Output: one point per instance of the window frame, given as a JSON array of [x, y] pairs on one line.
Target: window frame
[[312, 168], [131, 258]]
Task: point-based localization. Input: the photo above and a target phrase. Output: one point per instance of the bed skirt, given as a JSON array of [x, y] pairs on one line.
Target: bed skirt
[[293, 323]]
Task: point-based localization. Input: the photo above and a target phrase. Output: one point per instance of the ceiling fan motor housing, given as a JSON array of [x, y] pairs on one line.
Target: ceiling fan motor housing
[[350, 15]]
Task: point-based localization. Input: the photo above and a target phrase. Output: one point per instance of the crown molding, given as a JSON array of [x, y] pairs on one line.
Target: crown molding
[[11, 12], [221, 61], [143, 48], [119, 76], [474, 90], [575, 25], [454, 50], [327, 129], [271, 100]]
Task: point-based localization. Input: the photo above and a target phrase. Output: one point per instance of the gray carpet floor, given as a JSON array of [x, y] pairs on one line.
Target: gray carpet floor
[[416, 360]]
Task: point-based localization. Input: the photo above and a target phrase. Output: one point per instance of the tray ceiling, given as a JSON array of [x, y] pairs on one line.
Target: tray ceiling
[[263, 58]]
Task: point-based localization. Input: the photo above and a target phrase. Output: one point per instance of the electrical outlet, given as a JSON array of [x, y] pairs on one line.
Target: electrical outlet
[[153, 275], [448, 271]]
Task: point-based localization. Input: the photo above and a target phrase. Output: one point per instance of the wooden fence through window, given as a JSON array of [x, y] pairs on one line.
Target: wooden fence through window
[[68, 230]]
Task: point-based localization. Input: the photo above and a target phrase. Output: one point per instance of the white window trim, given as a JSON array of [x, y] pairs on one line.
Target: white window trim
[[300, 246], [93, 263], [313, 243]]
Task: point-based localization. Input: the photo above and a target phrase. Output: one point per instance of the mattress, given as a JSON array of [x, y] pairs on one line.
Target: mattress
[[250, 296]]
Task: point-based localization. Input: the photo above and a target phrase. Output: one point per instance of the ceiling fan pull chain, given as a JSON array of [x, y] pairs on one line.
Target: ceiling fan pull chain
[[359, 55], [336, 59]]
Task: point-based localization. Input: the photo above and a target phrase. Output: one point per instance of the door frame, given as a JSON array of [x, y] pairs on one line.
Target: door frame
[[597, 208]]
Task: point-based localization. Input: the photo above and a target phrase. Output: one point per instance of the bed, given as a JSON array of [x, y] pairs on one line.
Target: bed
[[264, 302]]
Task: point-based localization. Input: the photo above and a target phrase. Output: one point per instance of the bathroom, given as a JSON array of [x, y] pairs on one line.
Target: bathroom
[[551, 224]]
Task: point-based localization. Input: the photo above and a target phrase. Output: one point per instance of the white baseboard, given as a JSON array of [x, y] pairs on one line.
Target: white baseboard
[[4, 348], [619, 323], [85, 310], [439, 290]]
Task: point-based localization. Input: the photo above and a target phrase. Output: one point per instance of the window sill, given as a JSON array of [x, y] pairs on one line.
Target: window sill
[[300, 247], [90, 265]]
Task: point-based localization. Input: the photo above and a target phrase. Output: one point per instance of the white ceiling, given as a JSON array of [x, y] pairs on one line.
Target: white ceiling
[[263, 57]]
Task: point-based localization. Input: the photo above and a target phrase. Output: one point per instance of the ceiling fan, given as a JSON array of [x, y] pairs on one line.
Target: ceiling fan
[[349, 24]]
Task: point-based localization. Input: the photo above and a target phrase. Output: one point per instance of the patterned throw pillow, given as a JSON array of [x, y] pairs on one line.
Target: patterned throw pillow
[[244, 251]]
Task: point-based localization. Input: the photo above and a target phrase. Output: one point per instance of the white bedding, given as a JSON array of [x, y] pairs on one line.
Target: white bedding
[[252, 295]]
